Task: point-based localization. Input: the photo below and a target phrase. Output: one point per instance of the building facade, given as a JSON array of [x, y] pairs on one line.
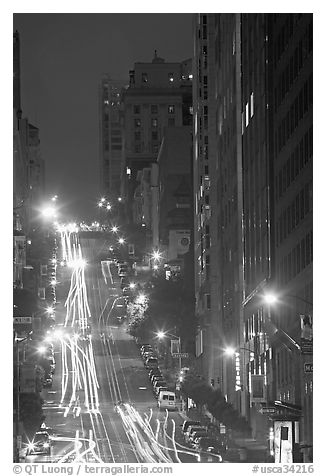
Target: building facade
[[292, 45], [252, 163], [110, 140], [159, 95]]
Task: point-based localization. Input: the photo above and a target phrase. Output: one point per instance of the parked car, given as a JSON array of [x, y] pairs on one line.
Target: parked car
[[197, 434], [154, 373], [159, 383], [207, 443], [157, 378], [191, 429], [147, 353], [160, 389], [124, 282], [145, 347], [166, 400], [188, 423], [151, 363]]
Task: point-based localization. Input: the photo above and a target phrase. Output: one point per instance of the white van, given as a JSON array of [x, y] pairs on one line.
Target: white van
[[166, 400]]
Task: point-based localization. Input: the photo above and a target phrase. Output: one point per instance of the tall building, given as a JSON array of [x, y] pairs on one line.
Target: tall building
[[252, 162], [16, 72], [257, 215], [159, 95], [110, 141], [291, 45], [218, 199]]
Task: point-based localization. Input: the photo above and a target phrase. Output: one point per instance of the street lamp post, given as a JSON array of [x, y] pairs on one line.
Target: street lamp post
[[161, 335]]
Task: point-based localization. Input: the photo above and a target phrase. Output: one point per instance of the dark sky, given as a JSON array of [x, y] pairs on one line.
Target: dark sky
[[62, 59]]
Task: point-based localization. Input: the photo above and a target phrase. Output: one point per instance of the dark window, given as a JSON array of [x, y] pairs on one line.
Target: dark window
[[297, 254], [137, 123], [302, 204], [308, 249], [137, 148], [171, 121], [303, 253], [154, 109], [137, 135], [154, 135], [136, 109]]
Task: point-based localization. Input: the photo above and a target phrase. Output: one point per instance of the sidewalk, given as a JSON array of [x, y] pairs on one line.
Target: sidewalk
[[255, 450]]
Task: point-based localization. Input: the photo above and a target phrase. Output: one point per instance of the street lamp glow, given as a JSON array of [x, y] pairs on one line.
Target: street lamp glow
[[49, 212], [155, 267], [100, 204], [54, 261], [103, 199], [161, 335], [132, 285], [114, 229], [54, 198], [270, 298], [121, 241], [229, 351], [119, 199], [41, 349], [50, 310], [156, 255], [108, 207], [53, 282]]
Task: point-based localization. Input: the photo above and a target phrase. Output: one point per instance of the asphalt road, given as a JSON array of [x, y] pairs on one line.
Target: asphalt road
[[101, 406]]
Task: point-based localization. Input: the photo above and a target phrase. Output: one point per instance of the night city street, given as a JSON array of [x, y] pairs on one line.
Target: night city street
[[162, 240]]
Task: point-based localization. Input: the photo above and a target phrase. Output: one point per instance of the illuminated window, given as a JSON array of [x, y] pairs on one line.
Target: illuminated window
[[251, 104], [137, 123], [154, 122], [247, 114], [144, 78], [128, 171], [171, 109], [171, 79]]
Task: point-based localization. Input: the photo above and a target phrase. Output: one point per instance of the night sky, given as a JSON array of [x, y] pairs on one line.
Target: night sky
[[63, 57]]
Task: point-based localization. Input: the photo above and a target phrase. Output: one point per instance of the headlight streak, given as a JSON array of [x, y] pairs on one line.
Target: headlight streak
[[142, 436], [138, 430]]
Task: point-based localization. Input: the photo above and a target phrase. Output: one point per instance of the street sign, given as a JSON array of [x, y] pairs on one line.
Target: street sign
[[183, 355], [308, 368], [267, 410], [22, 320]]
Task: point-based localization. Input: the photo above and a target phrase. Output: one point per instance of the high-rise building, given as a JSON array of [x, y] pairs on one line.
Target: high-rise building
[[110, 145], [218, 199], [252, 163], [291, 44], [159, 95]]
